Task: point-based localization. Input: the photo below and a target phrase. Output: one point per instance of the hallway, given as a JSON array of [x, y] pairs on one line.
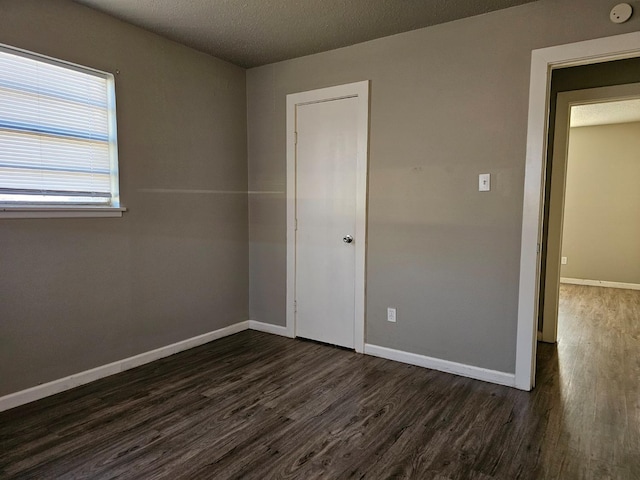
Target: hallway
[[593, 379]]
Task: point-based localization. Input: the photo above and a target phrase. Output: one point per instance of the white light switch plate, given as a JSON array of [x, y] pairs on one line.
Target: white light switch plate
[[484, 182], [564, 260], [391, 315]]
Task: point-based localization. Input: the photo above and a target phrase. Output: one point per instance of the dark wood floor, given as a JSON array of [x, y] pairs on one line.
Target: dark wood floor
[[256, 406]]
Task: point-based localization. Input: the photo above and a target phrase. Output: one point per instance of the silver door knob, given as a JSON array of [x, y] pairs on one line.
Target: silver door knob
[[347, 239]]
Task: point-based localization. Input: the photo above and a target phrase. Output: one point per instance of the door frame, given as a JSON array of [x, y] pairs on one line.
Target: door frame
[[359, 90], [543, 62]]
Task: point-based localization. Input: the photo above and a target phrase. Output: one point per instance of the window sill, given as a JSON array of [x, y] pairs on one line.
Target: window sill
[[60, 212]]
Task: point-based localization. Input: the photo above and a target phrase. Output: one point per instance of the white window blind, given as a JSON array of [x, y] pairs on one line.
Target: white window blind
[[57, 133]]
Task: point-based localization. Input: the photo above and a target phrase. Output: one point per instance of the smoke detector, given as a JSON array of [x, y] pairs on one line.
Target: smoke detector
[[621, 13]]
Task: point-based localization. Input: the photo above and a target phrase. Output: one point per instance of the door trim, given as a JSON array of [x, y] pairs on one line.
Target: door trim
[[543, 62], [360, 90]]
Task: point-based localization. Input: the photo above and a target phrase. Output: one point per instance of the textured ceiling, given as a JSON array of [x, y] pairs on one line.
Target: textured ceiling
[[623, 111], [256, 32]]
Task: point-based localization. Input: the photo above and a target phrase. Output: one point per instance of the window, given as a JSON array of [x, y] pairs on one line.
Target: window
[[58, 146]]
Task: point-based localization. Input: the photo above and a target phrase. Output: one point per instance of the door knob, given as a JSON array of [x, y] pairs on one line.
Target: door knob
[[347, 239]]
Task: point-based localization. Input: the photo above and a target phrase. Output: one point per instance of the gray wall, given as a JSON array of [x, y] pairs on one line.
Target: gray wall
[[601, 235], [447, 103], [79, 293]]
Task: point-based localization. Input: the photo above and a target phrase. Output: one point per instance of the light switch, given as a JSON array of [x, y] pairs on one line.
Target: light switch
[[564, 260], [484, 182]]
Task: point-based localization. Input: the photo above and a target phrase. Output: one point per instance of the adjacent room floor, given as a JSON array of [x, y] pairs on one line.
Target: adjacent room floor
[[260, 406]]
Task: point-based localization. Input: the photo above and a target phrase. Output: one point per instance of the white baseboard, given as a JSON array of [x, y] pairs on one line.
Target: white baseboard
[[51, 388], [492, 376], [600, 283], [269, 328]]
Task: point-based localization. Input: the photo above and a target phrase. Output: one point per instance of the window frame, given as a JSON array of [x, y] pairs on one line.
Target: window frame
[[61, 210]]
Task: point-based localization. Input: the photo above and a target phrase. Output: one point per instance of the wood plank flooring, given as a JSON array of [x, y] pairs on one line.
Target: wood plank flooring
[[257, 406]]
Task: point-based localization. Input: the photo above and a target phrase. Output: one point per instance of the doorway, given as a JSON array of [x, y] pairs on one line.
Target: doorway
[[327, 146], [594, 157], [543, 63]]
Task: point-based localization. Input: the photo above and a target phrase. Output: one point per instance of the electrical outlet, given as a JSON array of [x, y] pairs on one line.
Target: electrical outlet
[[564, 260], [391, 315]]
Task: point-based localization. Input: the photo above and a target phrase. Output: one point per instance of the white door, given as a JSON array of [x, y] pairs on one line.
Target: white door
[[326, 152]]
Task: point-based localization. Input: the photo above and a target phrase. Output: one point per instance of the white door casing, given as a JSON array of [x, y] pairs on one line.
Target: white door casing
[[325, 276], [543, 61]]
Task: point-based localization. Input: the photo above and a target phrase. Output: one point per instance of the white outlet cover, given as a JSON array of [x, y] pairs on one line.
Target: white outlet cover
[[391, 314], [621, 13]]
